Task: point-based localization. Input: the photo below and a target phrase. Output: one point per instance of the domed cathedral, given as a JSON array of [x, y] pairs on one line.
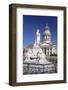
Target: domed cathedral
[[47, 46], [47, 34]]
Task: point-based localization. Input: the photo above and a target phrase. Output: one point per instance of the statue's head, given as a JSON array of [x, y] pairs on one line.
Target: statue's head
[[38, 30]]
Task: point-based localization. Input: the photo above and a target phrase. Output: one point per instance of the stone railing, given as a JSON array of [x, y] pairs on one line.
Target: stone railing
[[29, 68]]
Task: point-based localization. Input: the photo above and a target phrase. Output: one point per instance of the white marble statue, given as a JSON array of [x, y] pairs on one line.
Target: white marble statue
[[36, 55], [38, 37]]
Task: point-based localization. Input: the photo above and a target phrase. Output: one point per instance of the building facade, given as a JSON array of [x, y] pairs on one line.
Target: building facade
[[47, 46]]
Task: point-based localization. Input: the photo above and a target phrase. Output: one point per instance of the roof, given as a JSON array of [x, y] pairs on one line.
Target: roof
[[30, 46]]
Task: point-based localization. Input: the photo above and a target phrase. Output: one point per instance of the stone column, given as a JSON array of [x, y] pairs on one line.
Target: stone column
[[49, 51], [52, 50], [46, 52], [43, 50]]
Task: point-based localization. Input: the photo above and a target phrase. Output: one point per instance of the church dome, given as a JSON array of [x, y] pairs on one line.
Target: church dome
[[47, 31], [47, 34]]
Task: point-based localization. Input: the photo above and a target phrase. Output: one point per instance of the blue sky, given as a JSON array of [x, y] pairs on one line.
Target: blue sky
[[32, 23]]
